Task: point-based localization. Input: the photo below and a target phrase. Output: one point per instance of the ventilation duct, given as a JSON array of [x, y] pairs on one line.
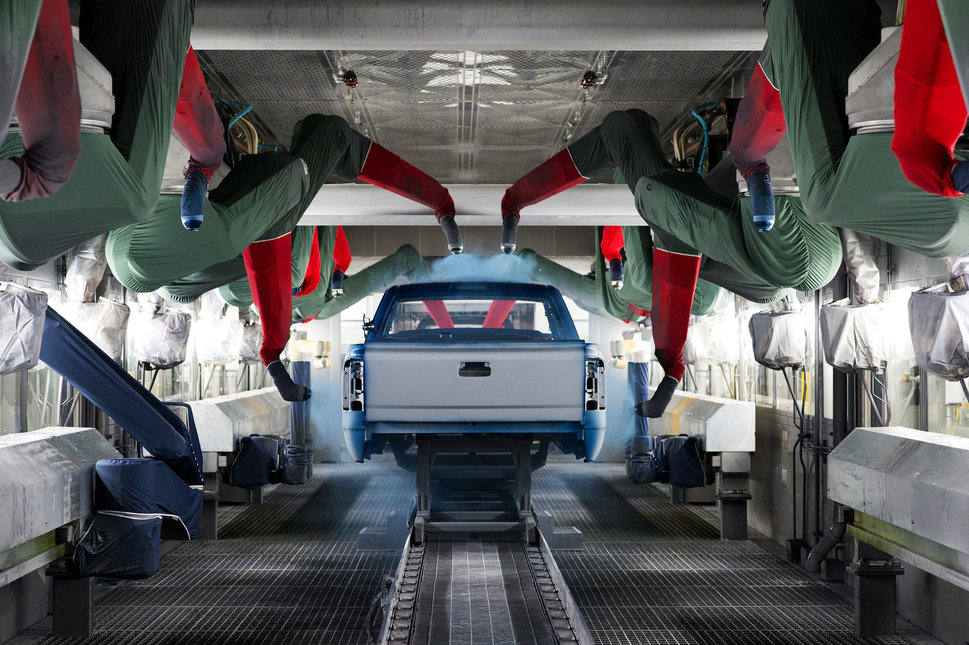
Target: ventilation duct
[[48, 481], [223, 421], [904, 477]]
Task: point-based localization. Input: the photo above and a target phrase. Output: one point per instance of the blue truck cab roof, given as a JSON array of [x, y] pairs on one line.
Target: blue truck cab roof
[[482, 311]]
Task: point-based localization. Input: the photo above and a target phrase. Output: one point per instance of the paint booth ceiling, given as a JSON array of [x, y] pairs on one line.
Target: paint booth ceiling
[[470, 117]]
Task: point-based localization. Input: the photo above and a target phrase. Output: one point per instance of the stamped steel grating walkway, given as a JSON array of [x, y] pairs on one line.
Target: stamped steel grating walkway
[[656, 573], [287, 570]]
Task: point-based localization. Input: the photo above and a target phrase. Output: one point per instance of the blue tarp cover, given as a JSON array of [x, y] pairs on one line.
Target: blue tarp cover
[[256, 461], [146, 486], [643, 461], [682, 455], [637, 375], [72, 355], [299, 452], [120, 547]]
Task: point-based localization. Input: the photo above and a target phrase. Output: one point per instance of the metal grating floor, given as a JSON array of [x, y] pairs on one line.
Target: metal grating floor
[[656, 573], [287, 570]]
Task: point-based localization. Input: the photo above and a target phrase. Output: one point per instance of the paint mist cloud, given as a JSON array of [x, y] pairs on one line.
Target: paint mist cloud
[[498, 268]]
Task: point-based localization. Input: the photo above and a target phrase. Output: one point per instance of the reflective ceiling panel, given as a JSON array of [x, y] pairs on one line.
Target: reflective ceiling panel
[[470, 117]]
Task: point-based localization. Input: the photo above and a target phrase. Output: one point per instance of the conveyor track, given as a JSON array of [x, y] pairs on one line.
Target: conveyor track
[[482, 588]]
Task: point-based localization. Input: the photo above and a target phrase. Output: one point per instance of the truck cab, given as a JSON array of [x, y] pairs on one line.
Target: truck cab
[[473, 359]]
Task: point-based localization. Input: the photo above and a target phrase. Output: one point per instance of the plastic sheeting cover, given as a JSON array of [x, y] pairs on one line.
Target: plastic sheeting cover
[[85, 270], [859, 256], [779, 339], [939, 323], [211, 306], [218, 341], [105, 322], [854, 336], [256, 461], [715, 342], [690, 355], [120, 547], [160, 339], [251, 342], [22, 312], [642, 463], [146, 486], [716, 337]]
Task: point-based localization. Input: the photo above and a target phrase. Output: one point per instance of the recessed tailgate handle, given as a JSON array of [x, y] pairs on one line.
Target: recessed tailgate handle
[[474, 368]]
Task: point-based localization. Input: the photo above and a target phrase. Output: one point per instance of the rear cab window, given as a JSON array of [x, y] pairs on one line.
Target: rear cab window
[[472, 312]]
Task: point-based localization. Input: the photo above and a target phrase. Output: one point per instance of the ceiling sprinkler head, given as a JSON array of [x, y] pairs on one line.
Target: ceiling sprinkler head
[[589, 79], [350, 78]]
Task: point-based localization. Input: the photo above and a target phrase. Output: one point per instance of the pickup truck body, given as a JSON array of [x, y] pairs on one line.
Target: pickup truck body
[[473, 358]]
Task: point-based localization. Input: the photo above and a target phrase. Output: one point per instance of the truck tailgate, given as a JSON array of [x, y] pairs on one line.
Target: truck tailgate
[[455, 382]]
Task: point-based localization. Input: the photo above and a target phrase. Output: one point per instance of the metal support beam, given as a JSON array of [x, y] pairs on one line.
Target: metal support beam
[[474, 512], [72, 605], [208, 525], [875, 597], [733, 491], [235, 495], [654, 25], [523, 476], [367, 205]]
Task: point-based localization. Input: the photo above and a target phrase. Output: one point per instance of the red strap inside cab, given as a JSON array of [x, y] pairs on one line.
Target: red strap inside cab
[[497, 313], [439, 314]]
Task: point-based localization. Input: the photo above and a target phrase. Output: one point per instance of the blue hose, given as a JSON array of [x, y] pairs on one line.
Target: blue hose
[[706, 140], [246, 109]]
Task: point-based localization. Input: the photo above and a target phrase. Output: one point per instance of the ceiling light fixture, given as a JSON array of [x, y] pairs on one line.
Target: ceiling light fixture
[[468, 69]]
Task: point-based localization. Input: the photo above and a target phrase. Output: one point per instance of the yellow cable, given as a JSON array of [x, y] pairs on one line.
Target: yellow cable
[[253, 138], [248, 134]]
